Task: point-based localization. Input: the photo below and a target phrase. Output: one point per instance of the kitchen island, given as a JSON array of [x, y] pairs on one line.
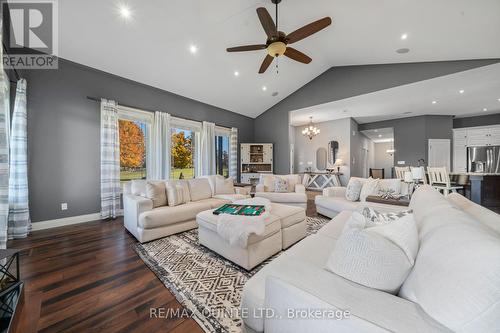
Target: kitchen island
[[485, 190]]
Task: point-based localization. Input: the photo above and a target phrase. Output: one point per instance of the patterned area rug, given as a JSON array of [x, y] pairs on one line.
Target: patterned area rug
[[206, 284]]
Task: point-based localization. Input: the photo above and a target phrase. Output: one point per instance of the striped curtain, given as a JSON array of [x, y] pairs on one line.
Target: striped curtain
[[110, 160], [4, 154], [233, 154], [19, 214]]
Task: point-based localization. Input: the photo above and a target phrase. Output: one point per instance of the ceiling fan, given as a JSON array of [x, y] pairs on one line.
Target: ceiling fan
[[277, 41]]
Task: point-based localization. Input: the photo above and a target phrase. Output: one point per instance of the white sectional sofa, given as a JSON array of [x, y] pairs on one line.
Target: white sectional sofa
[[453, 286], [147, 223], [295, 196], [333, 200]]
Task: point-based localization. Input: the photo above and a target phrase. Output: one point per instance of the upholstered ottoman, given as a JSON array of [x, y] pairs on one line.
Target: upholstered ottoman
[[258, 249], [293, 223]]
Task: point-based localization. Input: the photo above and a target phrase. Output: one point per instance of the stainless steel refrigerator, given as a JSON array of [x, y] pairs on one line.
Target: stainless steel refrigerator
[[483, 159]]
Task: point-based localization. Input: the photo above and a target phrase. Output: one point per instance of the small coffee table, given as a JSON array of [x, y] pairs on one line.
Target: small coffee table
[[403, 201]]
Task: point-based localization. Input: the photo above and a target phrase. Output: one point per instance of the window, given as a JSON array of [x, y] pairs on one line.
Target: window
[[134, 127], [182, 155], [222, 155]]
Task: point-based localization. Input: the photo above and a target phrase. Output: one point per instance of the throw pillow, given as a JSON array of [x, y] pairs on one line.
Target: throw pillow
[[292, 181], [157, 193], [353, 189], [370, 187], [379, 257], [268, 182], [280, 185], [224, 186], [199, 189], [176, 195], [374, 217], [185, 189]]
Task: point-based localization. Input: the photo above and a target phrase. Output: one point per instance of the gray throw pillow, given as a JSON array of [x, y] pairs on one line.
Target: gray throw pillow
[[280, 185], [353, 190]]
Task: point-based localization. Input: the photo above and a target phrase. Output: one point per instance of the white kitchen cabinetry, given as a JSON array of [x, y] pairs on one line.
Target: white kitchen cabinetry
[[470, 137]]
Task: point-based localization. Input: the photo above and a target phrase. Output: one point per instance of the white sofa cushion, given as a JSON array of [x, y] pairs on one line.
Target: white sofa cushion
[[370, 187], [176, 195], [336, 204], [353, 189], [379, 257], [223, 185], [283, 197], [231, 197], [456, 278], [157, 192], [167, 215], [199, 189], [267, 181], [183, 184], [138, 187]]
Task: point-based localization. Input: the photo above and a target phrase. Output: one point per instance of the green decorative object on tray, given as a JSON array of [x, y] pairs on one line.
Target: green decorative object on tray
[[245, 210]]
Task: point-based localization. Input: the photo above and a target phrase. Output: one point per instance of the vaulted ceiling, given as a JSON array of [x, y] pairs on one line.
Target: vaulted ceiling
[[153, 45]]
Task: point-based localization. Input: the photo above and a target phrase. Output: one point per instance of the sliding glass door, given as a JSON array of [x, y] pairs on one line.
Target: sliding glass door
[[222, 155]]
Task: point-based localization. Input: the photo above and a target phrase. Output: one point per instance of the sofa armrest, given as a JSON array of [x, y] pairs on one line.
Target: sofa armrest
[[260, 188], [299, 188], [335, 191], [378, 312], [133, 206], [242, 190]]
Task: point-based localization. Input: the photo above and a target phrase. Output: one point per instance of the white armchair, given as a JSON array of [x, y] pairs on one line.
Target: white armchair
[[295, 196]]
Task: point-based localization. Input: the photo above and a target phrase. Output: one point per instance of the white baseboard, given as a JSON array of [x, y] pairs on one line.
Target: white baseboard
[[65, 221]]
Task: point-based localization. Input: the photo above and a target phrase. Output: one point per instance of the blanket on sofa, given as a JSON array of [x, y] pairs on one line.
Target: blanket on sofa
[[237, 228]]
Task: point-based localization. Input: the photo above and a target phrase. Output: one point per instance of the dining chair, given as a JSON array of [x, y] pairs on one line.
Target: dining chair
[[400, 171], [377, 173], [440, 180]]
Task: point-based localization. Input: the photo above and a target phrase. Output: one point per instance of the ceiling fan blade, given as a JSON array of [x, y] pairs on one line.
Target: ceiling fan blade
[[297, 55], [267, 22], [246, 48], [308, 30], [265, 64]]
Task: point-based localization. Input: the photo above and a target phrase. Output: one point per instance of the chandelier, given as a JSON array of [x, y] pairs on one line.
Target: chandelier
[[310, 131]]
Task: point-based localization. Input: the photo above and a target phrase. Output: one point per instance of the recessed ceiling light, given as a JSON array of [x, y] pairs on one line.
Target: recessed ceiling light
[[125, 12], [403, 50], [499, 99], [404, 36], [264, 88], [485, 109], [461, 91], [236, 73], [434, 102], [193, 49], [380, 135]]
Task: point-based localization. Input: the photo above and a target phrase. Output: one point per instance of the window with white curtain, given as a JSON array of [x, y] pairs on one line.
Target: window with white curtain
[[222, 150], [185, 148], [135, 142]]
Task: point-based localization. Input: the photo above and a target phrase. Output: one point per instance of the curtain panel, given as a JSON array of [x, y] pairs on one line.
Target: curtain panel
[[4, 154], [233, 153], [110, 160], [160, 156], [207, 151], [19, 214]]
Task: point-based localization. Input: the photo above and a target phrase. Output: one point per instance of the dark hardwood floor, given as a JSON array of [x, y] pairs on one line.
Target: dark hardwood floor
[[87, 278]]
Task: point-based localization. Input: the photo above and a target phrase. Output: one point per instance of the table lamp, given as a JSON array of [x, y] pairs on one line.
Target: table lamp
[[338, 163]]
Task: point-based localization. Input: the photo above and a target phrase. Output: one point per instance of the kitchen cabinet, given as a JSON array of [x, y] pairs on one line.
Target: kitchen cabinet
[[470, 137], [256, 158]]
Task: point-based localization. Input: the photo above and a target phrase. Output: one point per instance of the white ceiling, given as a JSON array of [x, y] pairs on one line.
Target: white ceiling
[[481, 88], [153, 46], [380, 134]]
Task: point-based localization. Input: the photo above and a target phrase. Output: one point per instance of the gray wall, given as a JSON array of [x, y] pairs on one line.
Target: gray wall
[[382, 159], [63, 132], [335, 130], [491, 119], [342, 82], [411, 135]]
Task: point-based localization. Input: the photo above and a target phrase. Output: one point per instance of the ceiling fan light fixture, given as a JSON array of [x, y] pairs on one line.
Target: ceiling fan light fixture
[[276, 49]]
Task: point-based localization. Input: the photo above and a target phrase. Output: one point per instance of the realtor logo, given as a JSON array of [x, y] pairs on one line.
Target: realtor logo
[[30, 34]]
